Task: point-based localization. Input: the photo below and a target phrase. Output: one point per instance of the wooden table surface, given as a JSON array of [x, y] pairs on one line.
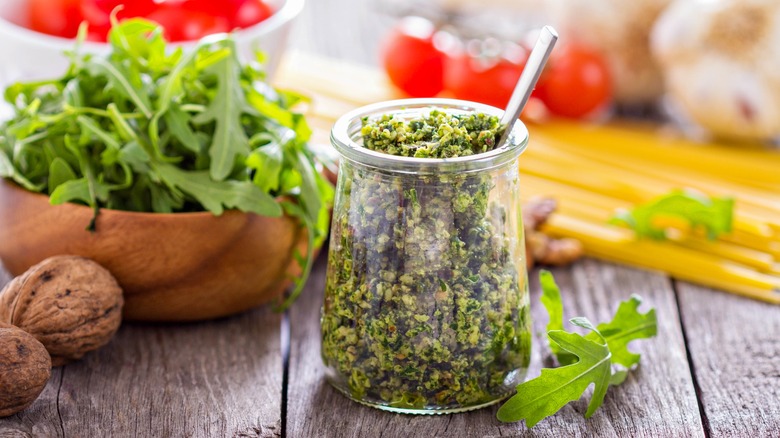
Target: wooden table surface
[[713, 370]]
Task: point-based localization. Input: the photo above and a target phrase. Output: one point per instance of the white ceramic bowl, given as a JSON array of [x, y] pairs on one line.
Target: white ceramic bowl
[[26, 54]]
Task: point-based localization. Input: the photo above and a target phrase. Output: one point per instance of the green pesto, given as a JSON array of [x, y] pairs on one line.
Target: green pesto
[[439, 135], [426, 303]]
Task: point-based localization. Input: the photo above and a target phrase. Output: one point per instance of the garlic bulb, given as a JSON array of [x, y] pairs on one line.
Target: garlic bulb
[[620, 29], [721, 62]]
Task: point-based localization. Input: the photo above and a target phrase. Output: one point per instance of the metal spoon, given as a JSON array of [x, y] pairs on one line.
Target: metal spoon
[[529, 77]]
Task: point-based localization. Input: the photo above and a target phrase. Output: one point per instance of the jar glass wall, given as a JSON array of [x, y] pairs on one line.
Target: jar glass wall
[[426, 304]]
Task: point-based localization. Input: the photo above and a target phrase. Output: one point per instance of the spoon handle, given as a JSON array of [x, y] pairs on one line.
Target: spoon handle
[[529, 77]]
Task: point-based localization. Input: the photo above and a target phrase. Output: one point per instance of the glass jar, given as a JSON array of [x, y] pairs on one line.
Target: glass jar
[[426, 304]]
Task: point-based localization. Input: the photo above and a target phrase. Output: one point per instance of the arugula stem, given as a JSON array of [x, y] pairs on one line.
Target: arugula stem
[[301, 282], [192, 108]]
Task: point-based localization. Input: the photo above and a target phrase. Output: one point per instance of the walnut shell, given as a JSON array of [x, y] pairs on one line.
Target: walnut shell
[[25, 367], [72, 305]]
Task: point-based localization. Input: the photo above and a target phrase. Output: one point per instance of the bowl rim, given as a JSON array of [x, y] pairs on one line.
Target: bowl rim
[[9, 184], [285, 14]]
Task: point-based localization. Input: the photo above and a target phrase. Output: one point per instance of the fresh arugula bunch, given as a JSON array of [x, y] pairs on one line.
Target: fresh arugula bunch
[[715, 215], [600, 357], [151, 129]]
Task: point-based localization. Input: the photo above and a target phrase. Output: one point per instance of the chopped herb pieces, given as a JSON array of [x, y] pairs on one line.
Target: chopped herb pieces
[[437, 135]]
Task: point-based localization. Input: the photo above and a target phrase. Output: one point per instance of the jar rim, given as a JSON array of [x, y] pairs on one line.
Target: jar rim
[[347, 127]]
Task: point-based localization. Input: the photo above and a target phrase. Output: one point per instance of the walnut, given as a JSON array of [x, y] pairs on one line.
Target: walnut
[[71, 304], [541, 248], [25, 367]]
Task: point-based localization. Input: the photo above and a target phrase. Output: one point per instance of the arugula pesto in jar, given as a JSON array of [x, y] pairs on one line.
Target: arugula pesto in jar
[[426, 304], [435, 135]]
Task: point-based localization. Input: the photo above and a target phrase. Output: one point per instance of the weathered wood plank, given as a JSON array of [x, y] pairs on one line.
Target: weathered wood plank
[[219, 378], [656, 400], [39, 420], [735, 349]]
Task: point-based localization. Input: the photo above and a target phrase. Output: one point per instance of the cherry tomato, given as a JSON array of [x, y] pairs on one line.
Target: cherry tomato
[[410, 59], [239, 13], [55, 17], [576, 82], [98, 35], [97, 13], [251, 12], [182, 19], [489, 81], [185, 25], [218, 8]]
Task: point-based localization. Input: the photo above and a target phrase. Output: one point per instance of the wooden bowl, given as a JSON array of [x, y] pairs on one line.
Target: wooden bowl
[[172, 267]]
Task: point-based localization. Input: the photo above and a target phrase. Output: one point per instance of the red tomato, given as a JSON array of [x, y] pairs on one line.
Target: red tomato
[[98, 14], [240, 13], [186, 25], [217, 8], [489, 81], [252, 12], [55, 17], [411, 60], [576, 82], [98, 35]]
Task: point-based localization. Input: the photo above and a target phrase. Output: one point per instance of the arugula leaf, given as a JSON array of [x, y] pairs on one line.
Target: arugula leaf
[[178, 123], [266, 162], [539, 398], [119, 80], [226, 109], [60, 172], [6, 168], [310, 195], [551, 299], [588, 359], [296, 211], [72, 190], [242, 195], [627, 325], [715, 215]]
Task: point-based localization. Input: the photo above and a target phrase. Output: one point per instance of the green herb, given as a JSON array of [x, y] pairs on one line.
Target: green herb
[[715, 215], [545, 395], [551, 299], [600, 357], [152, 129], [437, 135], [426, 301]]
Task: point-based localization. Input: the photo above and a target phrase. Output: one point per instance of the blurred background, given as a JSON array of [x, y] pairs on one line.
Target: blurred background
[[707, 66], [640, 101]]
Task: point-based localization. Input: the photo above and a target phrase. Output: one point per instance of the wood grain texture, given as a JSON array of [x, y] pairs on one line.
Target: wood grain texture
[[221, 378], [735, 348], [41, 419], [656, 400]]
